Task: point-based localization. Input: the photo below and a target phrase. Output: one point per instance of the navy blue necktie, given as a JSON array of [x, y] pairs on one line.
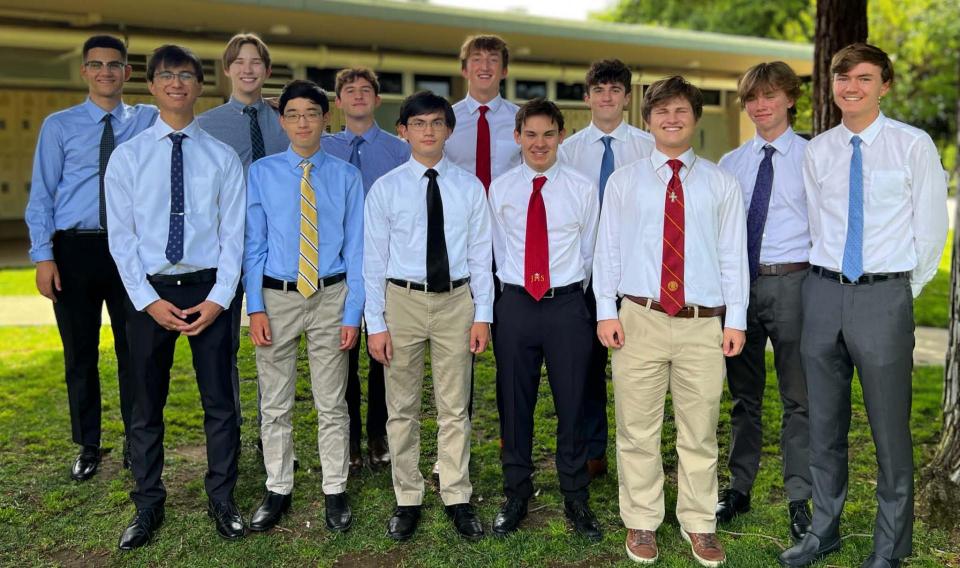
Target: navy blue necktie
[[853, 249], [757, 215], [175, 236], [355, 152], [606, 165], [256, 137], [106, 148]]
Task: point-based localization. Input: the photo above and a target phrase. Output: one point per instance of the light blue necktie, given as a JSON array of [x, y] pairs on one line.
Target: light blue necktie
[[853, 250], [606, 165]]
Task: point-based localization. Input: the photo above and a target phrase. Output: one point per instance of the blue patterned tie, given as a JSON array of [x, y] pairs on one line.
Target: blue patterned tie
[[853, 250], [606, 165], [759, 204], [175, 235], [256, 137], [355, 152]]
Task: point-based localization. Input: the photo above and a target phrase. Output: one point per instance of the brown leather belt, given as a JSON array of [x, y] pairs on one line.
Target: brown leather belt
[[685, 312], [785, 268]]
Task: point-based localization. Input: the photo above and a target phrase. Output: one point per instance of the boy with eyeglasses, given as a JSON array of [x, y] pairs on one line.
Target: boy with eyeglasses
[[302, 268], [426, 267], [175, 207], [67, 219]]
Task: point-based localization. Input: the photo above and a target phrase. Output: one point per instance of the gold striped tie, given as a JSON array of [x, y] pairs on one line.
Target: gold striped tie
[[308, 274]]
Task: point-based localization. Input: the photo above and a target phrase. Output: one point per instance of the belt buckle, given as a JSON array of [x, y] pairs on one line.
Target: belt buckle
[[551, 293]]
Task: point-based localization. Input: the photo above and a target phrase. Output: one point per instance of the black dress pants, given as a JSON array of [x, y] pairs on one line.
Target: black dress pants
[[557, 331], [88, 278], [151, 357], [595, 428], [376, 399]]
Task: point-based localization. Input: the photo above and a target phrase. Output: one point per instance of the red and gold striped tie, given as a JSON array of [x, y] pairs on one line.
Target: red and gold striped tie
[[671, 275]]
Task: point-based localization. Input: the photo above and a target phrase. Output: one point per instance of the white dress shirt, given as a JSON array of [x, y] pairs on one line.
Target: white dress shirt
[[584, 150], [395, 235], [461, 147], [786, 232], [572, 209], [137, 186], [904, 199], [629, 255]]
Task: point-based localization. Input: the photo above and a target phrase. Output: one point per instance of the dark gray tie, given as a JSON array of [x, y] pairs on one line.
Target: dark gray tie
[[175, 236], [757, 215], [106, 148], [256, 137]]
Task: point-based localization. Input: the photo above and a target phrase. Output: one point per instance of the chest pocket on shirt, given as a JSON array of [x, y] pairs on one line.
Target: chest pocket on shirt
[[200, 194], [887, 187]]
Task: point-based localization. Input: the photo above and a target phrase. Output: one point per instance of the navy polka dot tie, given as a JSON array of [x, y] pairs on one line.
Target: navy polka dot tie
[[175, 236]]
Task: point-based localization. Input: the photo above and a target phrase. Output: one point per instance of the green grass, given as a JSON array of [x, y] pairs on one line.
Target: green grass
[[18, 282], [49, 520], [932, 308]]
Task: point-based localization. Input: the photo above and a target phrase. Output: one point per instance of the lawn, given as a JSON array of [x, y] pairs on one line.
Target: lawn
[[49, 520]]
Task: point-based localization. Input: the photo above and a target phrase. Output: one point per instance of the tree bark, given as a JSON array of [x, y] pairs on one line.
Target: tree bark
[[839, 23], [940, 481]]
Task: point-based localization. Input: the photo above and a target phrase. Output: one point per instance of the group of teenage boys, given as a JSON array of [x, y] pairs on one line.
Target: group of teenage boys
[[480, 213]]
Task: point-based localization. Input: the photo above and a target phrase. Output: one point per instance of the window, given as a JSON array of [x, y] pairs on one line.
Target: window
[[390, 83], [531, 89], [326, 78], [570, 91], [439, 84]]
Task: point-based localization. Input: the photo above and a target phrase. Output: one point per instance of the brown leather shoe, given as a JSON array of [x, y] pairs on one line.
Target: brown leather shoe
[[379, 452], [597, 467], [706, 548], [356, 460], [642, 546]]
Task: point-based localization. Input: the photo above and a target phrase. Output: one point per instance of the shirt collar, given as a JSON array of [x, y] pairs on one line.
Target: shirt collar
[[621, 132], [294, 159], [529, 173], [493, 105], [161, 129], [781, 144], [869, 134], [239, 106], [368, 137], [419, 169], [119, 112], [660, 159]]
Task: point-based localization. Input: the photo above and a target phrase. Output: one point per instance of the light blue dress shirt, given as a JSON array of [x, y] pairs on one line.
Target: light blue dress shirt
[[272, 242], [65, 188], [138, 211], [380, 152], [228, 124], [395, 235]]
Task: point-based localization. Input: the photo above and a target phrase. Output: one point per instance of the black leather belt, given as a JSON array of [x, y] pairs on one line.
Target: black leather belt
[[421, 287], [784, 268], [198, 277], [274, 284], [865, 279], [552, 292], [82, 233]]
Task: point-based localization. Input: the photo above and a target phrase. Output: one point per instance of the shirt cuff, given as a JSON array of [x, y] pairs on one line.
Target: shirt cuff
[[41, 254], [375, 323], [736, 318], [483, 313], [607, 309], [221, 295], [255, 303], [143, 296], [351, 318]]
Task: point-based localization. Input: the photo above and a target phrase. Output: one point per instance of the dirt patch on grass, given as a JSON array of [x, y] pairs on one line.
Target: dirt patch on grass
[[195, 454], [539, 516], [69, 558], [389, 559], [602, 560]]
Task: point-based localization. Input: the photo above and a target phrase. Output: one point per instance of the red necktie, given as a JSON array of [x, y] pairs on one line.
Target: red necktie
[[536, 256], [671, 275], [483, 147]]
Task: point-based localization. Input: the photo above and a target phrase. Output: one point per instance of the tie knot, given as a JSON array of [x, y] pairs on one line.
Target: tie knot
[[483, 109], [431, 173], [768, 151], [106, 118], [307, 165], [177, 137], [606, 141], [250, 110], [538, 183], [675, 165], [856, 140], [357, 141]]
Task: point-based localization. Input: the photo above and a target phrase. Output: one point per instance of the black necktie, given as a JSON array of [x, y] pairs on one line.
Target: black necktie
[[438, 267], [256, 137], [106, 148], [175, 236]]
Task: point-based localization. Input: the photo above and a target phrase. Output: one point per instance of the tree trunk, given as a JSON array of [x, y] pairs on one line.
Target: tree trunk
[[940, 482], [839, 23]]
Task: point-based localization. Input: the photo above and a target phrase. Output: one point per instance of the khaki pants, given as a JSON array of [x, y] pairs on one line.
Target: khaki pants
[[320, 318], [684, 356], [443, 320]]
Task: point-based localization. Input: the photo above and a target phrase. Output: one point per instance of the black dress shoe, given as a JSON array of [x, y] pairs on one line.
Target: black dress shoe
[[338, 514], [141, 528], [509, 517], [874, 561], [403, 523], [808, 551], [379, 452], [86, 465], [799, 519], [583, 519], [465, 521], [356, 459], [227, 517], [270, 511], [126, 453], [732, 503]]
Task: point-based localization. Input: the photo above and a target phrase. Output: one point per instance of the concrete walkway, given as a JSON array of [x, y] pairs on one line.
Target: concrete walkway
[[36, 310]]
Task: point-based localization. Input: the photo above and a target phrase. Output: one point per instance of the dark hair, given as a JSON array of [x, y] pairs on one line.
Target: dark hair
[[610, 71], [302, 88], [425, 102], [856, 53], [351, 74], [763, 77], [232, 51], [170, 55], [670, 88], [107, 42], [539, 107], [491, 43]]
